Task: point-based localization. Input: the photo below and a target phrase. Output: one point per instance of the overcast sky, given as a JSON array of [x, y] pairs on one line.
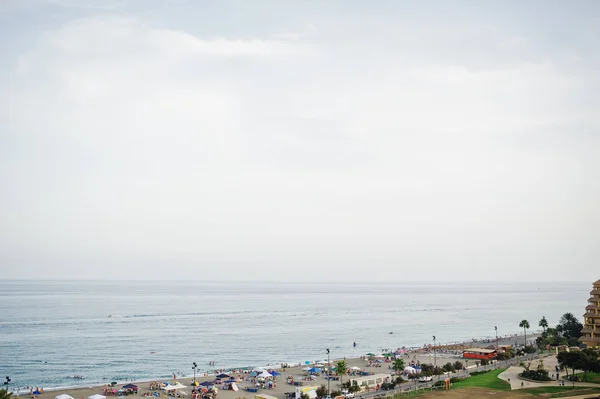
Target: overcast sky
[[309, 140]]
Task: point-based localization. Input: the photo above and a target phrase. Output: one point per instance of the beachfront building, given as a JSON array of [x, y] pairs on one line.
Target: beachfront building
[[591, 328], [480, 353], [370, 381]]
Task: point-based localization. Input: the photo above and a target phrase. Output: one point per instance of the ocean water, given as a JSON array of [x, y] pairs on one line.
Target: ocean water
[[53, 330]]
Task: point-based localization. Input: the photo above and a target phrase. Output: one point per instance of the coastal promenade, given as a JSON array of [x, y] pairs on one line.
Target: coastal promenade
[[281, 388], [443, 354], [511, 375]]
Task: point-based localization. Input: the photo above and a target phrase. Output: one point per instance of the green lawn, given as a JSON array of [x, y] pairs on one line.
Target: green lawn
[[559, 392], [591, 377], [486, 380]]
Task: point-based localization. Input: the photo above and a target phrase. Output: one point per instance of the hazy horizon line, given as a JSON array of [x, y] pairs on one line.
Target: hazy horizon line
[[295, 281]]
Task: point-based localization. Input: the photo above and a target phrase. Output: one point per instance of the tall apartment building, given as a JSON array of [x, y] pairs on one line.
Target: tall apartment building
[[591, 327]]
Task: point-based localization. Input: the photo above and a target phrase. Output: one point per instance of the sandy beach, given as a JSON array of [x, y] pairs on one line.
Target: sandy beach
[[444, 354]]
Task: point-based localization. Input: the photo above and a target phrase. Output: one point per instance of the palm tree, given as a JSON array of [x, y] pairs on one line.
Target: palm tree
[[342, 368], [398, 365], [544, 323], [525, 324], [4, 394]]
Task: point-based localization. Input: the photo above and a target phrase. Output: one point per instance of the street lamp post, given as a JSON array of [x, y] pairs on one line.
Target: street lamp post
[[7, 382], [194, 367], [434, 354], [328, 374], [496, 328]]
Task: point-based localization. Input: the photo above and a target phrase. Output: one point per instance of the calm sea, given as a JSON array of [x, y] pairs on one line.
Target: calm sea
[[117, 331]]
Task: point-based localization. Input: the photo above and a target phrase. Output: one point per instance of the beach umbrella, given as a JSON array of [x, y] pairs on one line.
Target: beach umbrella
[[275, 373], [355, 368], [370, 354], [314, 370], [307, 362], [64, 396], [207, 384], [265, 374], [129, 386], [36, 392], [222, 376]]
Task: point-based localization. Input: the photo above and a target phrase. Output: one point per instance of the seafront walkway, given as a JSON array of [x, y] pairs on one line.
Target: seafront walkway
[[412, 386], [511, 375]]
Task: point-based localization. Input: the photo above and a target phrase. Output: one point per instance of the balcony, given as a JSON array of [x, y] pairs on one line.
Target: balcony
[[593, 340], [592, 315], [589, 329], [592, 307]]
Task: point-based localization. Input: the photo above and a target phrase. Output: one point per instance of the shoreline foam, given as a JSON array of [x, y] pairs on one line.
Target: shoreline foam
[[202, 374]]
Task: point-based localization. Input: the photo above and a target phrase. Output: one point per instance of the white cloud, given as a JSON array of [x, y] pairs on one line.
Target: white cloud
[[137, 140]]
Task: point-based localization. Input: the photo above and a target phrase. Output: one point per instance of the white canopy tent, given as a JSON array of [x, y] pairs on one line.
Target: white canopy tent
[[355, 368], [64, 396], [410, 370], [173, 387], [97, 396], [265, 374]]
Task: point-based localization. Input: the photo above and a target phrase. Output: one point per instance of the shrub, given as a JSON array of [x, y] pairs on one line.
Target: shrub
[[427, 369], [354, 387], [448, 367], [536, 375], [322, 391], [529, 349], [479, 372], [458, 365], [485, 362], [386, 386]]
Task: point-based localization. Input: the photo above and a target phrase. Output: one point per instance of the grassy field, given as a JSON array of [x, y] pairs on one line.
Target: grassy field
[[486, 380], [591, 377], [490, 381], [560, 392]]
